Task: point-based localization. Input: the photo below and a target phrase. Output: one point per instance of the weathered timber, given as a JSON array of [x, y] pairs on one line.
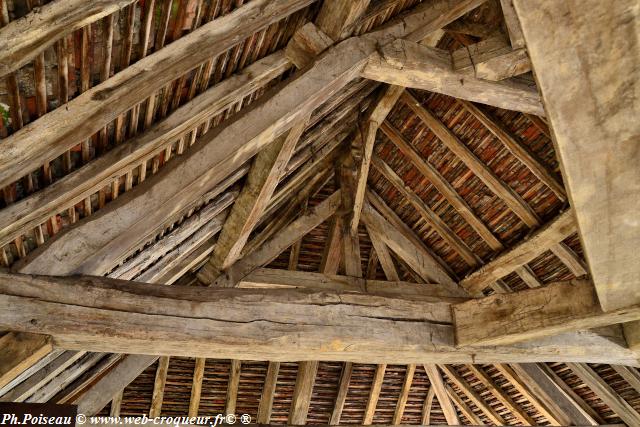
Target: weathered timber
[[437, 384], [336, 16], [274, 246], [301, 398], [75, 187], [20, 351], [604, 120], [419, 260], [61, 129], [409, 64], [101, 314], [491, 59], [534, 313], [267, 278], [23, 39], [555, 231], [512, 199]]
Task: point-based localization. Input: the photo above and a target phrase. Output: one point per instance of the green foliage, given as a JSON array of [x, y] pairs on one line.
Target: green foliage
[[4, 113]]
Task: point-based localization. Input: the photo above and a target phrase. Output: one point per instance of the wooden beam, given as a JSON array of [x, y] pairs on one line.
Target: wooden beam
[[268, 393], [367, 136], [501, 395], [570, 259], [23, 39], [256, 323], [374, 394], [555, 400], [273, 247], [34, 382], [306, 43], [559, 307], [61, 129], [491, 59], [383, 255], [418, 259], [437, 384], [404, 394], [101, 392], [522, 153], [472, 395], [336, 16], [196, 387], [512, 23], [427, 405], [604, 391], [302, 390], [441, 184], [232, 387], [332, 248], [528, 276], [409, 64], [208, 162], [464, 408], [266, 170], [602, 119], [539, 242], [426, 213], [36, 208], [512, 199], [20, 351], [158, 387], [341, 397]]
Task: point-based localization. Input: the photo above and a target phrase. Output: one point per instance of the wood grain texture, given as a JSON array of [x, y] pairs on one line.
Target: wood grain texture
[[101, 314], [23, 39], [539, 242], [593, 45], [534, 313], [19, 351], [409, 64], [302, 390]]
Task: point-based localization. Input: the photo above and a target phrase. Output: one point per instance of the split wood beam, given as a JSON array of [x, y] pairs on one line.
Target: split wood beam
[[430, 217], [266, 170], [23, 39], [438, 385], [441, 184], [256, 323], [302, 390], [605, 196], [539, 242], [534, 313], [20, 351], [491, 59], [36, 208], [522, 153], [58, 131], [501, 189], [268, 393], [418, 259], [409, 64]]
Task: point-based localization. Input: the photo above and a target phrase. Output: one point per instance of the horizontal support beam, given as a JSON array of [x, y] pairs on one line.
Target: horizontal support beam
[[102, 314], [412, 65], [502, 319]]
